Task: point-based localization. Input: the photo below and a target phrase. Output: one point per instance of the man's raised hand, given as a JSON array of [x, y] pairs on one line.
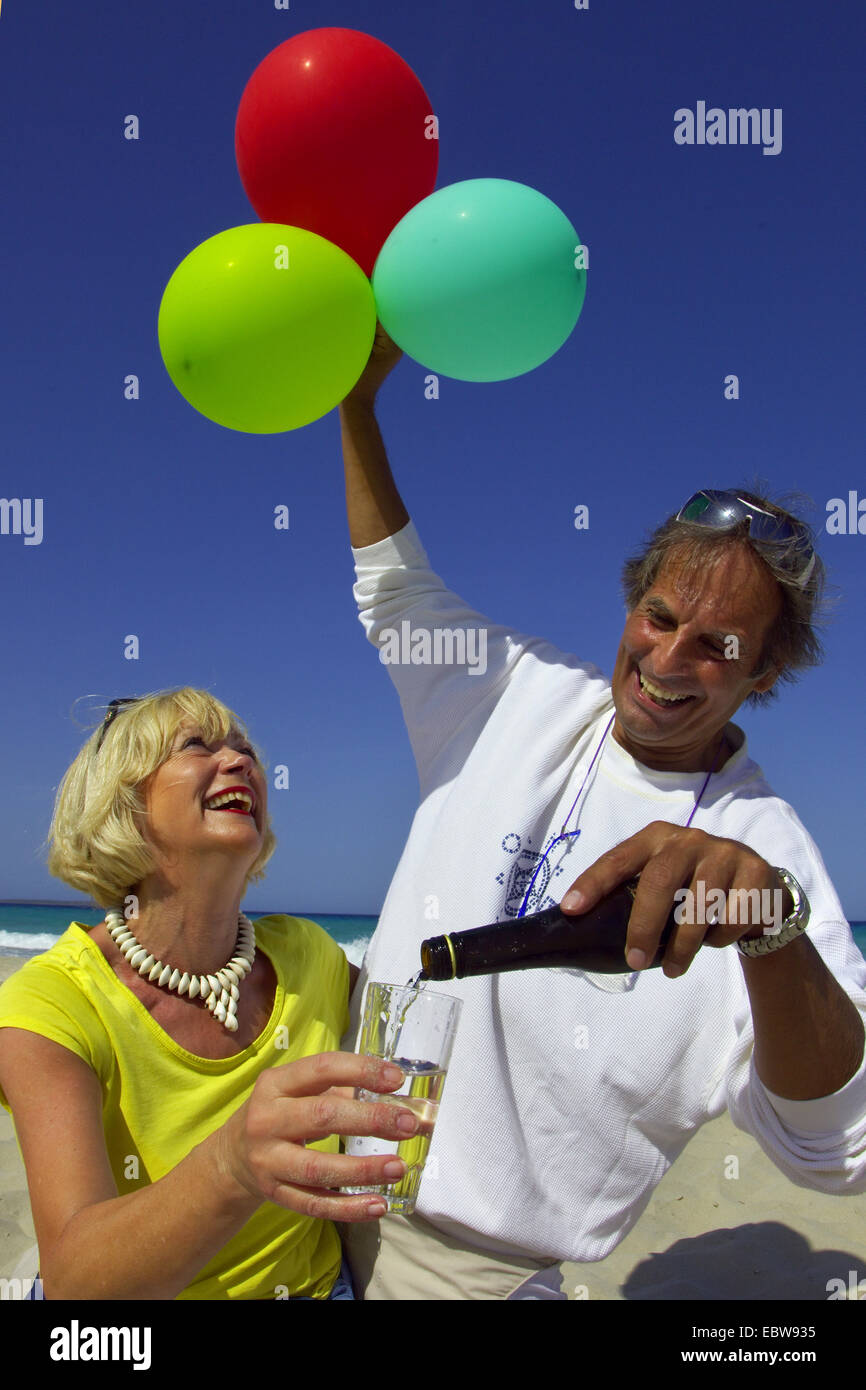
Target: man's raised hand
[[384, 356]]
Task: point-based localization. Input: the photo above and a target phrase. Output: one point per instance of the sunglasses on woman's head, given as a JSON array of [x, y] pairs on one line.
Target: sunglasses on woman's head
[[114, 709]]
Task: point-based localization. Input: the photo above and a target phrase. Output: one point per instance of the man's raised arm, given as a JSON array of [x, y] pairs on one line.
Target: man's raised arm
[[375, 507]]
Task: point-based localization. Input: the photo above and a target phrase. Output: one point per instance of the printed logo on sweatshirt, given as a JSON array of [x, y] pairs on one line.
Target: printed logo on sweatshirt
[[517, 876]]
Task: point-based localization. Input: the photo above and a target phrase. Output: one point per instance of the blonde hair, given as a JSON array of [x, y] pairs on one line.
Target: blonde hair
[[95, 843]]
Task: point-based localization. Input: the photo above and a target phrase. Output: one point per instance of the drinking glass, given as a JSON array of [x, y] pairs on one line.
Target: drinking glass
[[415, 1028]]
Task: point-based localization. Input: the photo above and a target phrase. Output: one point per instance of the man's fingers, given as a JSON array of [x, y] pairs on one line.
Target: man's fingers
[[705, 912], [666, 858], [607, 873], [616, 866], [681, 949], [654, 901], [384, 343]]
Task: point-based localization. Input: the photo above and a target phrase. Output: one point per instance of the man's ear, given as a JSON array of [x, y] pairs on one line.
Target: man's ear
[[766, 681]]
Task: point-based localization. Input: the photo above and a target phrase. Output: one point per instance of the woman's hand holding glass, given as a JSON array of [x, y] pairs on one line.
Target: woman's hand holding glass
[[262, 1147]]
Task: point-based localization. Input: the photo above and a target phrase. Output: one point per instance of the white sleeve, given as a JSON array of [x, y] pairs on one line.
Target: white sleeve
[[450, 664], [841, 1111], [818, 1143]]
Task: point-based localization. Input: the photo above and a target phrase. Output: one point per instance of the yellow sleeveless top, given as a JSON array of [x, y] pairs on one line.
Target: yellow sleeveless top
[[160, 1101]]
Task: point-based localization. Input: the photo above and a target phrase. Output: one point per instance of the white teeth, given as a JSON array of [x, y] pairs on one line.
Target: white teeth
[[223, 798], [657, 694]]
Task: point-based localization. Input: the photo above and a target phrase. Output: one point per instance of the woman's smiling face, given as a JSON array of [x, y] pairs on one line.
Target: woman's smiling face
[[182, 817]]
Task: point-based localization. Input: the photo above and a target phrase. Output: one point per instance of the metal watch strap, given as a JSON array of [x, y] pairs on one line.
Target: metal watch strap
[[774, 938]]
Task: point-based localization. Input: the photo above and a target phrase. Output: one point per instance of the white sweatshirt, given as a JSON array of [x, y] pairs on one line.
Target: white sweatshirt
[[569, 1095]]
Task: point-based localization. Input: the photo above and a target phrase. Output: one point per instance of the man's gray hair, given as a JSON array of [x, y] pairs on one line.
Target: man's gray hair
[[792, 644]]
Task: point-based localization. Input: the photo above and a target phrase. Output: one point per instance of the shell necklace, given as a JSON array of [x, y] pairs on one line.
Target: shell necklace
[[220, 991]]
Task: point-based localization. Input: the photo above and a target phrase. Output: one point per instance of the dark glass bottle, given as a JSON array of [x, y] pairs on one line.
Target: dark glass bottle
[[594, 941]]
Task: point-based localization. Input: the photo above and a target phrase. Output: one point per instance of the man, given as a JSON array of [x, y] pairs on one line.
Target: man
[[570, 1094]]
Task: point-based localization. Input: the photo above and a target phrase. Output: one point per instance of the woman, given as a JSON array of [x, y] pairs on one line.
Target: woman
[[172, 1075]]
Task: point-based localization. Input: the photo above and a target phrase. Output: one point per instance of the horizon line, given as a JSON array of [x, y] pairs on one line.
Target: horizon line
[[263, 912], [88, 907]]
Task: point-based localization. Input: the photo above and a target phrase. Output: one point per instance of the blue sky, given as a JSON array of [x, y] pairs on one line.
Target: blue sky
[[704, 261]]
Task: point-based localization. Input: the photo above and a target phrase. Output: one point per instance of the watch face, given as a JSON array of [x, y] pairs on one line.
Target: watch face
[[800, 912]]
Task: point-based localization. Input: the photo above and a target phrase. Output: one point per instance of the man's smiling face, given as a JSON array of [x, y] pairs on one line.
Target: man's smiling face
[[674, 645]]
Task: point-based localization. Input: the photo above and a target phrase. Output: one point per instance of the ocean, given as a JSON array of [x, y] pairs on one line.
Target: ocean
[[28, 928]]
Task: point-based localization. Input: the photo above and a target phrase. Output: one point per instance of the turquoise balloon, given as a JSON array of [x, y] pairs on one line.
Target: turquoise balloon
[[479, 281]]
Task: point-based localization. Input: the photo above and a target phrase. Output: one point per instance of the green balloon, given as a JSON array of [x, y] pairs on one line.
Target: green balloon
[[481, 281], [266, 327]]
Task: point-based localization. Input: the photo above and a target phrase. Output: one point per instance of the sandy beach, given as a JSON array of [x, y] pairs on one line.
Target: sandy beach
[[706, 1233]]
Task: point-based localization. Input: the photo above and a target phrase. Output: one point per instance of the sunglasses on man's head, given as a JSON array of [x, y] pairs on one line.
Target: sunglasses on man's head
[[722, 510]]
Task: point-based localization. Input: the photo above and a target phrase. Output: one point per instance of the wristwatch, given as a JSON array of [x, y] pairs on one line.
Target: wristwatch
[[774, 938]]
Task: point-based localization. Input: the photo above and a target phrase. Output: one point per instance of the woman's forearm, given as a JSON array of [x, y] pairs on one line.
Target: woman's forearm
[[150, 1244]]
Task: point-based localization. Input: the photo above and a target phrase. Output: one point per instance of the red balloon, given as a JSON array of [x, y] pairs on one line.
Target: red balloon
[[332, 136]]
